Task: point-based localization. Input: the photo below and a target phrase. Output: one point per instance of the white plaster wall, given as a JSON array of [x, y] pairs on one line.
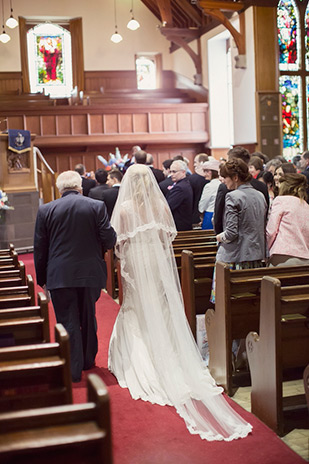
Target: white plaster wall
[[244, 91], [98, 26], [218, 92], [182, 63]]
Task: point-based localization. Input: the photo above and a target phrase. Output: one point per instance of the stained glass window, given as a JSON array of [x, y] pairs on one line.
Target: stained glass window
[[50, 62], [288, 35], [307, 37], [146, 73], [290, 90]]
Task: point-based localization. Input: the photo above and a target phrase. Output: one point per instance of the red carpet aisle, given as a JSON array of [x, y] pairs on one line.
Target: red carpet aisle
[[150, 434]]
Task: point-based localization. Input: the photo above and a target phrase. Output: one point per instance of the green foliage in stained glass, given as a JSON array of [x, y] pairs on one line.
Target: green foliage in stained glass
[[287, 35], [307, 37]]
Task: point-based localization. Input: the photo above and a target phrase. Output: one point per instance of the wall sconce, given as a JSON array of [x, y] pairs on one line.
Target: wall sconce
[[4, 37], [133, 24], [116, 37], [11, 22]]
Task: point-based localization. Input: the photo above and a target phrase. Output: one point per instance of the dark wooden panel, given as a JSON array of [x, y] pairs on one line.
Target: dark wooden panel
[[96, 124], [15, 122], [33, 124], [170, 122], [156, 122], [184, 122], [140, 122], [10, 81], [49, 125], [125, 123], [64, 124], [110, 123], [79, 123]]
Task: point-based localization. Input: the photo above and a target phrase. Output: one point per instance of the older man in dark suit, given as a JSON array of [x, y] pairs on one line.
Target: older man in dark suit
[[70, 235], [180, 198]]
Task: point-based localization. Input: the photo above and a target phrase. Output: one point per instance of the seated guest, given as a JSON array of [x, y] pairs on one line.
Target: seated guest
[[243, 154], [207, 201], [167, 183], [156, 172], [110, 195], [255, 166], [198, 182], [272, 165], [287, 229], [87, 183], [101, 178], [180, 198]]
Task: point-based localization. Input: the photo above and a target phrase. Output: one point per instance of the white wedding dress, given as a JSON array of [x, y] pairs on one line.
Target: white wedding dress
[[152, 351]]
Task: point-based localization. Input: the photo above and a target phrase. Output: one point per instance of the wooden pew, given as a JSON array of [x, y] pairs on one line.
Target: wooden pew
[[19, 273], [74, 433], [195, 233], [34, 376], [306, 384], [22, 295], [9, 259], [237, 312], [282, 343], [7, 251], [196, 284], [25, 325]]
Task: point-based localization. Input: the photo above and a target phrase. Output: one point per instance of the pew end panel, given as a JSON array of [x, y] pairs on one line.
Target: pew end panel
[[282, 344], [69, 433]]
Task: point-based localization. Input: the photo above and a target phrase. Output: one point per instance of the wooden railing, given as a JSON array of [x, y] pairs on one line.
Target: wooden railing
[[46, 178]]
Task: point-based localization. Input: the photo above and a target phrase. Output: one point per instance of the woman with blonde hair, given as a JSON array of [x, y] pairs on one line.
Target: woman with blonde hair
[[287, 230]]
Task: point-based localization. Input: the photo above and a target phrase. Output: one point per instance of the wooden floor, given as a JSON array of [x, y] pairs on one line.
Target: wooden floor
[[297, 439]]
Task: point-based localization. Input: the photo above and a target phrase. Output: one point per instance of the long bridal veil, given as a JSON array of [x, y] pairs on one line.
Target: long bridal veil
[[152, 351]]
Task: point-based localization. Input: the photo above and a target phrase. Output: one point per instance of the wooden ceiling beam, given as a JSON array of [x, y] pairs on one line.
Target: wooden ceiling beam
[[190, 12], [165, 12], [221, 5]]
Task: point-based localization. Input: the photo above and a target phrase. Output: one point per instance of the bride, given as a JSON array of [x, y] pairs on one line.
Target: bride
[[152, 351]]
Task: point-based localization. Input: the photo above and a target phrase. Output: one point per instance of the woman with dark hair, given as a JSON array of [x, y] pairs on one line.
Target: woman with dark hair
[[268, 179], [284, 168], [255, 166], [288, 226], [242, 242]]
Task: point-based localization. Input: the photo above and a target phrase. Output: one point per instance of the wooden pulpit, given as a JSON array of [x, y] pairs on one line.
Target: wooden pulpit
[[16, 170]]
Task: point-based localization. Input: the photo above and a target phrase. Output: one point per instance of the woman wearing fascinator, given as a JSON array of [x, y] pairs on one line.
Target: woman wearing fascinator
[[152, 351]]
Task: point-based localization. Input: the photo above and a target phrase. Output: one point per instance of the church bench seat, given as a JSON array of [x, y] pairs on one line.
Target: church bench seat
[[237, 312], [25, 325], [196, 284], [20, 272], [281, 343], [76, 433], [33, 376], [22, 295]]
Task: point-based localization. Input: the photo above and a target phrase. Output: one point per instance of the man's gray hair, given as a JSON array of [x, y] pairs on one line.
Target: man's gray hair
[[180, 165], [69, 180]]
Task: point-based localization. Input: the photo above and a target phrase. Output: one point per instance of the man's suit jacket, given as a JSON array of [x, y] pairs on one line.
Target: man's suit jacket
[[167, 182], [158, 174], [197, 183], [180, 200], [69, 235], [220, 202], [97, 192], [109, 196], [87, 184]]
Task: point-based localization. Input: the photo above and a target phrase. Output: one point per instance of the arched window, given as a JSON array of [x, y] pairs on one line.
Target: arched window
[[50, 60], [293, 41], [145, 73]]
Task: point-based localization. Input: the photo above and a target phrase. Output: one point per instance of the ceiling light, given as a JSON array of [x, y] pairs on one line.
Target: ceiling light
[[116, 37], [4, 37], [133, 24], [11, 22]]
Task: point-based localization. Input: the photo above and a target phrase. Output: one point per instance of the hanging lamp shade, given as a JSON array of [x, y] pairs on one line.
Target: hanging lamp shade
[[116, 37], [11, 22], [133, 24], [4, 37]]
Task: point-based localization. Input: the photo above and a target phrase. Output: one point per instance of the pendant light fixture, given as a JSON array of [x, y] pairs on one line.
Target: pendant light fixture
[[133, 24], [11, 22], [116, 37], [4, 37]]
